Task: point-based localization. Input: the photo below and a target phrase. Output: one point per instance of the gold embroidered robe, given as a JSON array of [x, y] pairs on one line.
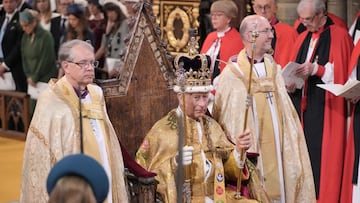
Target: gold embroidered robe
[[161, 148], [54, 133], [229, 110]]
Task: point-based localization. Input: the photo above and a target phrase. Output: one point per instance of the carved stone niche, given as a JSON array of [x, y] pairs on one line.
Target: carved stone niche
[[142, 93]]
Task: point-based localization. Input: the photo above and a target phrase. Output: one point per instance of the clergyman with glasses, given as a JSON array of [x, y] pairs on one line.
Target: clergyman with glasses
[[284, 34], [323, 51], [55, 129], [279, 149]]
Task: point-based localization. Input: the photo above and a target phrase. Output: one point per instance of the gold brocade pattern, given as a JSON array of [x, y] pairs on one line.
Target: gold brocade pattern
[[229, 110], [162, 146], [42, 139], [50, 139]]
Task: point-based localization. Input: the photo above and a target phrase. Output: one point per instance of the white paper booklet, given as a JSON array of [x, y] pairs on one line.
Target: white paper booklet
[[113, 63], [7, 82], [34, 92], [289, 75], [350, 90]]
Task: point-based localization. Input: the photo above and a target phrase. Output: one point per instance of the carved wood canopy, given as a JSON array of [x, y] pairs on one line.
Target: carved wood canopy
[[142, 93], [142, 28]]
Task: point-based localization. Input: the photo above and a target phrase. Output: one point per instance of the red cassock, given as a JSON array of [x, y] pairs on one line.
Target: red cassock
[[284, 37], [349, 177], [323, 114], [231, 44]]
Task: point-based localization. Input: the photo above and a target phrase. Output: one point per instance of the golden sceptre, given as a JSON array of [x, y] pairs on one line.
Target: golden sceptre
[[254, 35], [186, 190], [188, 141]]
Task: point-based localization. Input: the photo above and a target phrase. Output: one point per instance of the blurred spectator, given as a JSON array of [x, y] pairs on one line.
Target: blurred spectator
[[97, 24], [78, 27], [37, 52], [224, 42], [60, 26], [22, 5], [49, 20], [10, 39], [205, 25], [116, 30], [63, 22]]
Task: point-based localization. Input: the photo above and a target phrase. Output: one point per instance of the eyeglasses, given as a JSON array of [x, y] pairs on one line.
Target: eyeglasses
[[85, 64], [262, 8], [217, 14], [266, 31], [308, 19]]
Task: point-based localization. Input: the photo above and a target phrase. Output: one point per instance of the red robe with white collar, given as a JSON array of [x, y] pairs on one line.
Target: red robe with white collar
[[351, 164], [323, 114], [231, 44]]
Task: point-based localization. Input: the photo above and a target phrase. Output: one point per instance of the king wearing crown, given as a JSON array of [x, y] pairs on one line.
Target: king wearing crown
[[206, 157]]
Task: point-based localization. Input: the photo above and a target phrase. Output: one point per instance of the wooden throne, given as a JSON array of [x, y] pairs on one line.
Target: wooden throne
[[141, 94]]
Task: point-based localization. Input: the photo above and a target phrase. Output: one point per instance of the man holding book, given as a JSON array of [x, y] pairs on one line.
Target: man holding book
[[350, 188], [323, 51]]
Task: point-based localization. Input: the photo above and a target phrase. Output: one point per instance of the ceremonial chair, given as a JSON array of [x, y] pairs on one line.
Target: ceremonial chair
[[140, 182], [139, 96]]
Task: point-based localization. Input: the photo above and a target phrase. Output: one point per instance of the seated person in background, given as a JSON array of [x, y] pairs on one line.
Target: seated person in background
[[212, 159], [77, 178]]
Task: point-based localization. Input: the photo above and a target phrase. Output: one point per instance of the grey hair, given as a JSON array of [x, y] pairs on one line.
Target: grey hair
[[317, 5], [66, 50]]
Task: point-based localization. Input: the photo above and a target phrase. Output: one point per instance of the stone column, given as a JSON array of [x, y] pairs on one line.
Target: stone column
[[338, 7], [287, 11], [352, 9]]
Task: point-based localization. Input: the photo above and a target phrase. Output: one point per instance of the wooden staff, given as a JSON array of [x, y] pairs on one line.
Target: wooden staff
[[254, 35], [187, 169]]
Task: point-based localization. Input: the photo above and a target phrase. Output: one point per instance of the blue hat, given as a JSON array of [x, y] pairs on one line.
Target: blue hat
[[82, 166], [75, 9]]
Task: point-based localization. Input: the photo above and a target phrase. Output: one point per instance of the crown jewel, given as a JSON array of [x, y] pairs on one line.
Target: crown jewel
[[192, 70]]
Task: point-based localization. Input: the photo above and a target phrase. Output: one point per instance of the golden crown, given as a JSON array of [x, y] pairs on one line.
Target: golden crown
[[192, 71]]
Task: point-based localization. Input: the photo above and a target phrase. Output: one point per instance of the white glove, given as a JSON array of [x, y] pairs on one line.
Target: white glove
[[187, 155]]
